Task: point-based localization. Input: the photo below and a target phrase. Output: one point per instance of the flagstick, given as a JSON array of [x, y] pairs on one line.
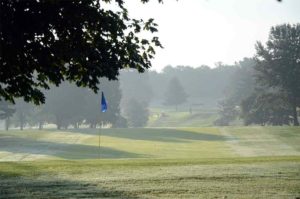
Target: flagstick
[[99, 141], [100, 138], [103, 109]]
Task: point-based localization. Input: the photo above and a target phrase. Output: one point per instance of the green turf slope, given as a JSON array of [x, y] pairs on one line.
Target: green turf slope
[[115, 144], [204, 142], [181, 119], [264, 177], [206, 162]]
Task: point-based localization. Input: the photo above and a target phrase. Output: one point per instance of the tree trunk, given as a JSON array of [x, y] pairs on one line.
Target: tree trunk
[[94, 124], [295, 115], [191, 110], [40, 125], [7, 121], [76, 125], [58, 123], [21, 121]]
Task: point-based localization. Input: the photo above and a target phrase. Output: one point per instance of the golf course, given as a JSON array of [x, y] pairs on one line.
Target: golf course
[[143, 99], [189, 162]]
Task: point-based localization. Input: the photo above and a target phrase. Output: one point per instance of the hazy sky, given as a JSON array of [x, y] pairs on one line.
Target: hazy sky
[[196, 32]]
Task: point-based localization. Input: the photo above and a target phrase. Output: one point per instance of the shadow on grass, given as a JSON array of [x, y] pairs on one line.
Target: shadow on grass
[[62, 150], [161, 135], [55, 188], [26, 180]]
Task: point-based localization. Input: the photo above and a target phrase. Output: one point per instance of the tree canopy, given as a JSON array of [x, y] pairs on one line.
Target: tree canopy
[[46, 42], [266, 107], [278, 63]]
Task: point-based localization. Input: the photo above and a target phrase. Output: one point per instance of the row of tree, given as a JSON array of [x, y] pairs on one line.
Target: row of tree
[[265, 89], [177, 85], [68, 105], [145, 88]]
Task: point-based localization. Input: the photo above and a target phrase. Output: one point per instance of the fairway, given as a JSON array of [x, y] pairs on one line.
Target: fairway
[[145, 143], [115, 144], [204, 162]]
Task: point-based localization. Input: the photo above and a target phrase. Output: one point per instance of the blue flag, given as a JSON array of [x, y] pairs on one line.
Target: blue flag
[[103, 104]]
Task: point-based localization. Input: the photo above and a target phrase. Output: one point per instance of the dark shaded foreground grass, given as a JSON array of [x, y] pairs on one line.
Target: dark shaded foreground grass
[[263, 177]]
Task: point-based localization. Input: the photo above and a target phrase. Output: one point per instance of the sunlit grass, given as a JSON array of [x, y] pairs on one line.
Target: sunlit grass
[[276, 177], [181, 118], [116, 143], [264, 141], [190, 162], [189, 142]]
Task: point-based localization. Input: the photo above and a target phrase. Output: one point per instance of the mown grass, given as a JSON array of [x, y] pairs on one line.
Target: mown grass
[[115, 143], [263, 141], [192, 142], [206, 162], [171, 118], [264, 177]]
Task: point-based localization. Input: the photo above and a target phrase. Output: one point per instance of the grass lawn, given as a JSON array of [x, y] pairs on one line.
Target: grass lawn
[[206, 162], [171, 118]]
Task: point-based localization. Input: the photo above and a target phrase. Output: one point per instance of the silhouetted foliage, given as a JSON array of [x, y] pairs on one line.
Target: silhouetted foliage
[[278, 63], [266, 108], [47, 42]]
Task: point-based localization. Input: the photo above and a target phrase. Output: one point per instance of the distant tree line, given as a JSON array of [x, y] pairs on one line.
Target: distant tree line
[[128, 99], [66, 106], [202, 84]]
